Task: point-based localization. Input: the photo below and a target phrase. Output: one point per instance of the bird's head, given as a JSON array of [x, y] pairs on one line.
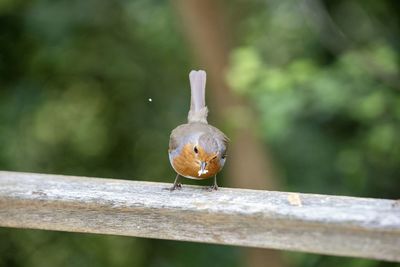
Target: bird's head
[[208, 154], [202, 157]]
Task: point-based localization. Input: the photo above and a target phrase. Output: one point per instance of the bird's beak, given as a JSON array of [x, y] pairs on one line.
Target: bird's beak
[[203, 166]]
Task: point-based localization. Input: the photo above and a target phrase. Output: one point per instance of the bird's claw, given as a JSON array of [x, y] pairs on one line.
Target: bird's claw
[[212, 188], [175, 186]]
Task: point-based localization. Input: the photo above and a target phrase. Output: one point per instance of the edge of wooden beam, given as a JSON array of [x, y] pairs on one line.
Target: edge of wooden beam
[[325, 224]]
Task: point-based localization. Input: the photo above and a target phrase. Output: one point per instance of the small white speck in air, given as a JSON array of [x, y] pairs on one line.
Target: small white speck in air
[[150, 100]]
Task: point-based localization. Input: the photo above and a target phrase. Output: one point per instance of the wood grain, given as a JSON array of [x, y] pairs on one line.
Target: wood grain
[[333, 225]]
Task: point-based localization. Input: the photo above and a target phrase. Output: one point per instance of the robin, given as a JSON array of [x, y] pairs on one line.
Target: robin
[[197, 150]]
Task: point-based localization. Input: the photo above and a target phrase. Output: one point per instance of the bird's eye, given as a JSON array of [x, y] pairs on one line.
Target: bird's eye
[[223, 156], [195, 150]]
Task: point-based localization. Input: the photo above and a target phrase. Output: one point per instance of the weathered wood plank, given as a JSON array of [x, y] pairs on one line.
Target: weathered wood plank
[[333, 225]]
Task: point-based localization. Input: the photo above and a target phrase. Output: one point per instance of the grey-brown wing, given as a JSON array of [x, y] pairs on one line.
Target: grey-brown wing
[[173, 144], [222, 137], [175, 136], [225, 141]]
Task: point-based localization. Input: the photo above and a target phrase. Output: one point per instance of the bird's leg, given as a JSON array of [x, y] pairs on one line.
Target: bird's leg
[[214, 186], [176, 184]]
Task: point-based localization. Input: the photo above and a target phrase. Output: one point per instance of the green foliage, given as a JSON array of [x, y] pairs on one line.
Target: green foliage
[[344, 118]]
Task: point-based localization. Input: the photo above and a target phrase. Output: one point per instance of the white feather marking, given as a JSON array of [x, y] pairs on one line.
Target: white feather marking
[[200, 172]]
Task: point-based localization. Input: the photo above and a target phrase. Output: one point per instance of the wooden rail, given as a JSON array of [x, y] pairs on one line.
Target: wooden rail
[[334, 225]]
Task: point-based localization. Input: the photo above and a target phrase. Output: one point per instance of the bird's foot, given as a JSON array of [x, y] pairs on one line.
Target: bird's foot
[[212, 188], [175, 186]]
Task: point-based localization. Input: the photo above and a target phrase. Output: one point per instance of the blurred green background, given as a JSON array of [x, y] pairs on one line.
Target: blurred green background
[[315, 82]]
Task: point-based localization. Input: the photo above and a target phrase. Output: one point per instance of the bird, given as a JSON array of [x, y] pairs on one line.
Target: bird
[[197, 150]]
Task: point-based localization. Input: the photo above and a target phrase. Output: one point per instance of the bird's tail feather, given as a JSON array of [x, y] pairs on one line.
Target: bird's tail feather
[[198, 110]]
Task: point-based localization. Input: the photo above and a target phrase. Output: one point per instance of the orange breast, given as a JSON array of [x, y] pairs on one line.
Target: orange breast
[[186, 164]]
